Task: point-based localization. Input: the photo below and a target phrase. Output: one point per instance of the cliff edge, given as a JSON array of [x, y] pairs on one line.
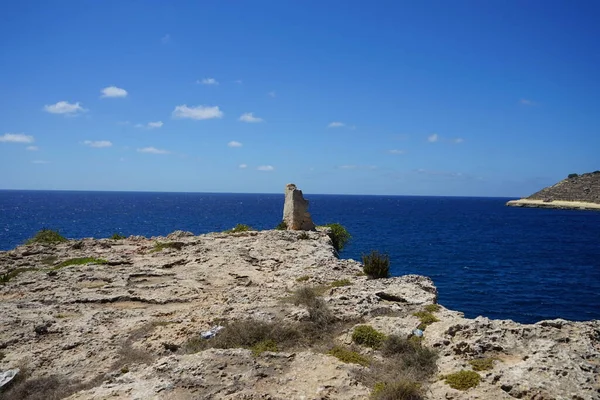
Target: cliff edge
[[136, 318]]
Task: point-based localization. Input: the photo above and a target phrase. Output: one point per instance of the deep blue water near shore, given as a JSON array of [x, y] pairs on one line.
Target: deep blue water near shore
[[485, 258]]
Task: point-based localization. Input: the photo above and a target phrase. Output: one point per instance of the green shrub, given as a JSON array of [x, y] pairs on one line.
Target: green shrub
[[376, 265], [432, 308], [117, 236], [79, 261], [426, 318], [160, 246], [571, 176], [368, 336], [482, 364], [341, 282], [239, 228], [282, 226], [463, 380], [400, 390], [47, 236], [6, 277], [264, 345], [348, 356], [303, 278], [339, 236]]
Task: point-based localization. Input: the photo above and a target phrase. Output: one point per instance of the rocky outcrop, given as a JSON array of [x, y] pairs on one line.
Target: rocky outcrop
[[295, 210], [575, 192], [119, 328]]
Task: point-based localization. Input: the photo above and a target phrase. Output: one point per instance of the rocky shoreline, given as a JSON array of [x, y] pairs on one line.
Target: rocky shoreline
[[557, 204], [117, 325]]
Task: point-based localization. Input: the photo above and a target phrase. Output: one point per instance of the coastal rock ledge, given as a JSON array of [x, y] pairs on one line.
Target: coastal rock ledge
[[117, 327]]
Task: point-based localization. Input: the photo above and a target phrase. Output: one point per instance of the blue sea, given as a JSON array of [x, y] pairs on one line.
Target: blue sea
[[486, 259]]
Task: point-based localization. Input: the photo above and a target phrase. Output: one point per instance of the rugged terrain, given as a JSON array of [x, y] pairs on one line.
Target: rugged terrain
[[574, 192], [120, 329]]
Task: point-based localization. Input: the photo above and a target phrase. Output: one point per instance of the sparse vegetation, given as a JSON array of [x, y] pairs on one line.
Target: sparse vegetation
[[426, 318], [432, 308], [341, 282], [349, 356], [282, 226], [368, 336], [571, 176], [482, 364], [265, 345], [117, 236], [2, 355], [376, 265], [303, 278], [46, 237], [303, 236], [160, 246], [79, 261], [6, 277], [339, 236], [400, 390], [239, 228], [410, 355], [462, 380]]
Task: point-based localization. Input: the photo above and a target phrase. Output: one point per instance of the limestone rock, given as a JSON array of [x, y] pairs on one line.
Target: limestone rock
[[295, 210]]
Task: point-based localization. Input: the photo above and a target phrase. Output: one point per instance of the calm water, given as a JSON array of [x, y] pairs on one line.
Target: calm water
[[485, 258]]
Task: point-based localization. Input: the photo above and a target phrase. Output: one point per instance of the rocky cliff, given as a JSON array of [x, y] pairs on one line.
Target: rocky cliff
[[140, 318], [576, 191]]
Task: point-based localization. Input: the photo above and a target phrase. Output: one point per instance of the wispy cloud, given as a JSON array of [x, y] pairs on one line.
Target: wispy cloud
[[32, 148], [197, 112], [40, 162], [97, 143], [266, 168], [249, 117], [150, 125], [272, 94], [527, 102], [64, 107], [152, 150], [242, 166], [363, 167], [208, 81], [348, 167], [458, 140], [16, 138], [113, 91], [396, 151], [165, 39], [239, 81], [233, 143], [433, 138], [336, 124]]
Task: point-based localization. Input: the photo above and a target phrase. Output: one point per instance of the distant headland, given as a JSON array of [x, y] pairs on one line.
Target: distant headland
[[577, 192]]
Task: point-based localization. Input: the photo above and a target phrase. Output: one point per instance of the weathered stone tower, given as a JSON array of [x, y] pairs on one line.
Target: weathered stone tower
[[295, 213]]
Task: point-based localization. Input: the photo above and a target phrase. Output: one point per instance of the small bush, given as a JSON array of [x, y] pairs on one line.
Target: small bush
[[426, 318], [160, 246], [571, 176], [117, 236], [6, 277], [410, 355], [400, 390], [368, 336], [339, 236], [239, 228], [319, 313], [376, 265], [265, 345], [79, 261], [303, 236], [282, 226], [348, 356], [341, 282], [432, 308], [303, 278], [47, 236], [482, 364], [463, 380]]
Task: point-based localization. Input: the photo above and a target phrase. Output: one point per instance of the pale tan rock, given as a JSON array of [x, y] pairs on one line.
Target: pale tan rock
[[295, 210]]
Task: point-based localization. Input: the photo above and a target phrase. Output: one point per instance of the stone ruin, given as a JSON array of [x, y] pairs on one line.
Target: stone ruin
[[295, 214]]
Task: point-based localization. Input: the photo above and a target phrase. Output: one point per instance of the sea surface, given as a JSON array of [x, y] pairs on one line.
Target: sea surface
[[486, 259]]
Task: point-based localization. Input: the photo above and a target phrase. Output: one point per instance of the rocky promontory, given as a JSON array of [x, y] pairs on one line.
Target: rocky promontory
[[580, 192], [150, 318]]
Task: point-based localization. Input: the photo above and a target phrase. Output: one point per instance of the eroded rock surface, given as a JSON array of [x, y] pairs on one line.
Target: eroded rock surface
[[120, 326]]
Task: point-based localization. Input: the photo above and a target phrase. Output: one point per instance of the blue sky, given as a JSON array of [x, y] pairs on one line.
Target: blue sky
[[465, 98]]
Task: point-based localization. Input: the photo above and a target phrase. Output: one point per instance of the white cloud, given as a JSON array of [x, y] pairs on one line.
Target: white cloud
[[242, 166], [396, 151], [165, 39], [360, 167], [249, 117], [272, 94], [526, 102], [266, 168], [152, 150], [153, 125], [16, 138], [32, 148], [39, 162], [64, 107], [113, 91], [336, 124], [458, 140], [97, 143], [233, 143], [198, 112], [208, 81], [433, 138]]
